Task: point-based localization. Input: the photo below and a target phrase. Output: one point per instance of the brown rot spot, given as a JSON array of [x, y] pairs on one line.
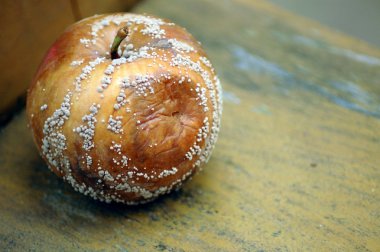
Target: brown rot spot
[[175, 113], [166, 133]]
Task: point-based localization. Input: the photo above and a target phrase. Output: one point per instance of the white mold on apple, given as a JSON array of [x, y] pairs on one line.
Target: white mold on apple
[[125, 107]]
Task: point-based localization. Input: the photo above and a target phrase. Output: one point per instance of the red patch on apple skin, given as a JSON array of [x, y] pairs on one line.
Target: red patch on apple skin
[[56, 52], [53, 56]]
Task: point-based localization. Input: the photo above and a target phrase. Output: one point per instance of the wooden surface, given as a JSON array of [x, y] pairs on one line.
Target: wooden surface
[[28, 28], [296, 167]]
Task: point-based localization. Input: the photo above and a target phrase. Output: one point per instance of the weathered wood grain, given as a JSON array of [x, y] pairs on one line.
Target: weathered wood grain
[[297, 165]]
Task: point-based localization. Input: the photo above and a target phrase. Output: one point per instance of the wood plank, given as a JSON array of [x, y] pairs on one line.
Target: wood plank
[[296, 166]]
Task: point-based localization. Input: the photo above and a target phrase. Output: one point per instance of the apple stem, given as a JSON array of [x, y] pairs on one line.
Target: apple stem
[[122, 33]]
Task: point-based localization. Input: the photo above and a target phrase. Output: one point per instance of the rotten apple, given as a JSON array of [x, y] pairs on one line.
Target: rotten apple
[[125, 107]]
